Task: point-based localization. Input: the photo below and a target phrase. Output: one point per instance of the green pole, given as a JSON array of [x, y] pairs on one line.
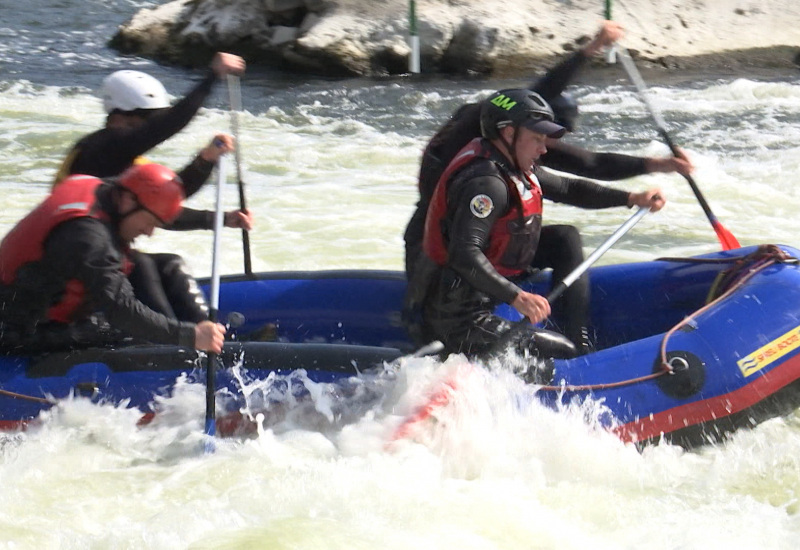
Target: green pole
[[611, 55], [413, 61]]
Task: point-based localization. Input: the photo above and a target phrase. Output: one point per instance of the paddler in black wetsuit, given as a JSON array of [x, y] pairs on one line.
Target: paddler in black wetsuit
[[560, 246], [64, 267], [483, 227], [139, 118]]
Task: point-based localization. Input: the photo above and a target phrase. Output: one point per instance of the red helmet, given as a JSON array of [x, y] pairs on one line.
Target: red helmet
[[158, 190]]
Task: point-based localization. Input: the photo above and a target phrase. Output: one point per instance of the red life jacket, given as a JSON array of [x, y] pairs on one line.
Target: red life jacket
[[73, 198], [513, 238]]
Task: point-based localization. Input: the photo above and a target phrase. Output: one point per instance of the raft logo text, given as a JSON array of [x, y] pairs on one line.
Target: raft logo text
[[771, 352]]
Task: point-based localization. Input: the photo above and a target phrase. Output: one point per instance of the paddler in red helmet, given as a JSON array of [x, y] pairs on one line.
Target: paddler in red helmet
[[64, 267]]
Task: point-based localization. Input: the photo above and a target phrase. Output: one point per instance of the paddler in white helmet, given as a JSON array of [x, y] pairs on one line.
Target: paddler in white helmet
[[140, 117]]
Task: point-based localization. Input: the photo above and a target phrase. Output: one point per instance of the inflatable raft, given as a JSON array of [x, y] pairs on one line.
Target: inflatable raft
[[687, 349]]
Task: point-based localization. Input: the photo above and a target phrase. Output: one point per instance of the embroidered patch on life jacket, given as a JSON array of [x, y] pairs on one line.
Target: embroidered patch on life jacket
[[481, 206]]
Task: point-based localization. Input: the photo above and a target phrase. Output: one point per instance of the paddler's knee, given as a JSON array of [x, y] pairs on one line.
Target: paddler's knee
[[547, 343], [181, 289]]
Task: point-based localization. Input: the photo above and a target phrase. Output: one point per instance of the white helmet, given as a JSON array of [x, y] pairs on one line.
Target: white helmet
[[131, 90]]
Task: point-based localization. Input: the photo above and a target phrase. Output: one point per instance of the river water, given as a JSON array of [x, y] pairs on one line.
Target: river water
[[330, 171]]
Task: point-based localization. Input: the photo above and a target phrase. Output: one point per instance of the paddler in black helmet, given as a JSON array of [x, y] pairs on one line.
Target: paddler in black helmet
[[483, 228]]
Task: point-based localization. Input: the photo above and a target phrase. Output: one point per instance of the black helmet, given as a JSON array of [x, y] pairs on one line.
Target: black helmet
[[517, 107], [565, 109]]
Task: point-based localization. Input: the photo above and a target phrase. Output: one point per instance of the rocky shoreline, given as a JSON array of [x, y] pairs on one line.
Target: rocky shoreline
[[346, 38]]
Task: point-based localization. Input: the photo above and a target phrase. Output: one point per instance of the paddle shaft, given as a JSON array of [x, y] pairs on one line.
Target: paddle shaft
[[726, 238], [575, 274], [211, 367], [235, 95]]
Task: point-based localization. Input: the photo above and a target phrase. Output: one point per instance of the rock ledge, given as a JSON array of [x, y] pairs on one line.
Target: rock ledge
[[488, 37]]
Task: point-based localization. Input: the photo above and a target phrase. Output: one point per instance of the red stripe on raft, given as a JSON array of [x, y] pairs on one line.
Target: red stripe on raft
[[712, 409], [146, 419], [14, 425]]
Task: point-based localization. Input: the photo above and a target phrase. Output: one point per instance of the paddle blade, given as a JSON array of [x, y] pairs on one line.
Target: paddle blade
[[209, 445], [725, 237]]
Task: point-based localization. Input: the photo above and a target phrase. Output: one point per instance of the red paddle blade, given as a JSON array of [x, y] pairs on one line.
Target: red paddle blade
[[725, 237]]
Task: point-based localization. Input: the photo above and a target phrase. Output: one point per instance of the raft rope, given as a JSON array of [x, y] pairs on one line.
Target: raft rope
[[727, 282], [14, 395]]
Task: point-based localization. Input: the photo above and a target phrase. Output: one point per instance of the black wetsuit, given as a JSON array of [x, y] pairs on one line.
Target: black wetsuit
[[159, 280], [85, 249], [459, 304]]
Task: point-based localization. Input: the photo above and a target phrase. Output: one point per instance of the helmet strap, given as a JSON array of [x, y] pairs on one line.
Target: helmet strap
[[140, 207], [118, 216], [114, 213], [512, 147]]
